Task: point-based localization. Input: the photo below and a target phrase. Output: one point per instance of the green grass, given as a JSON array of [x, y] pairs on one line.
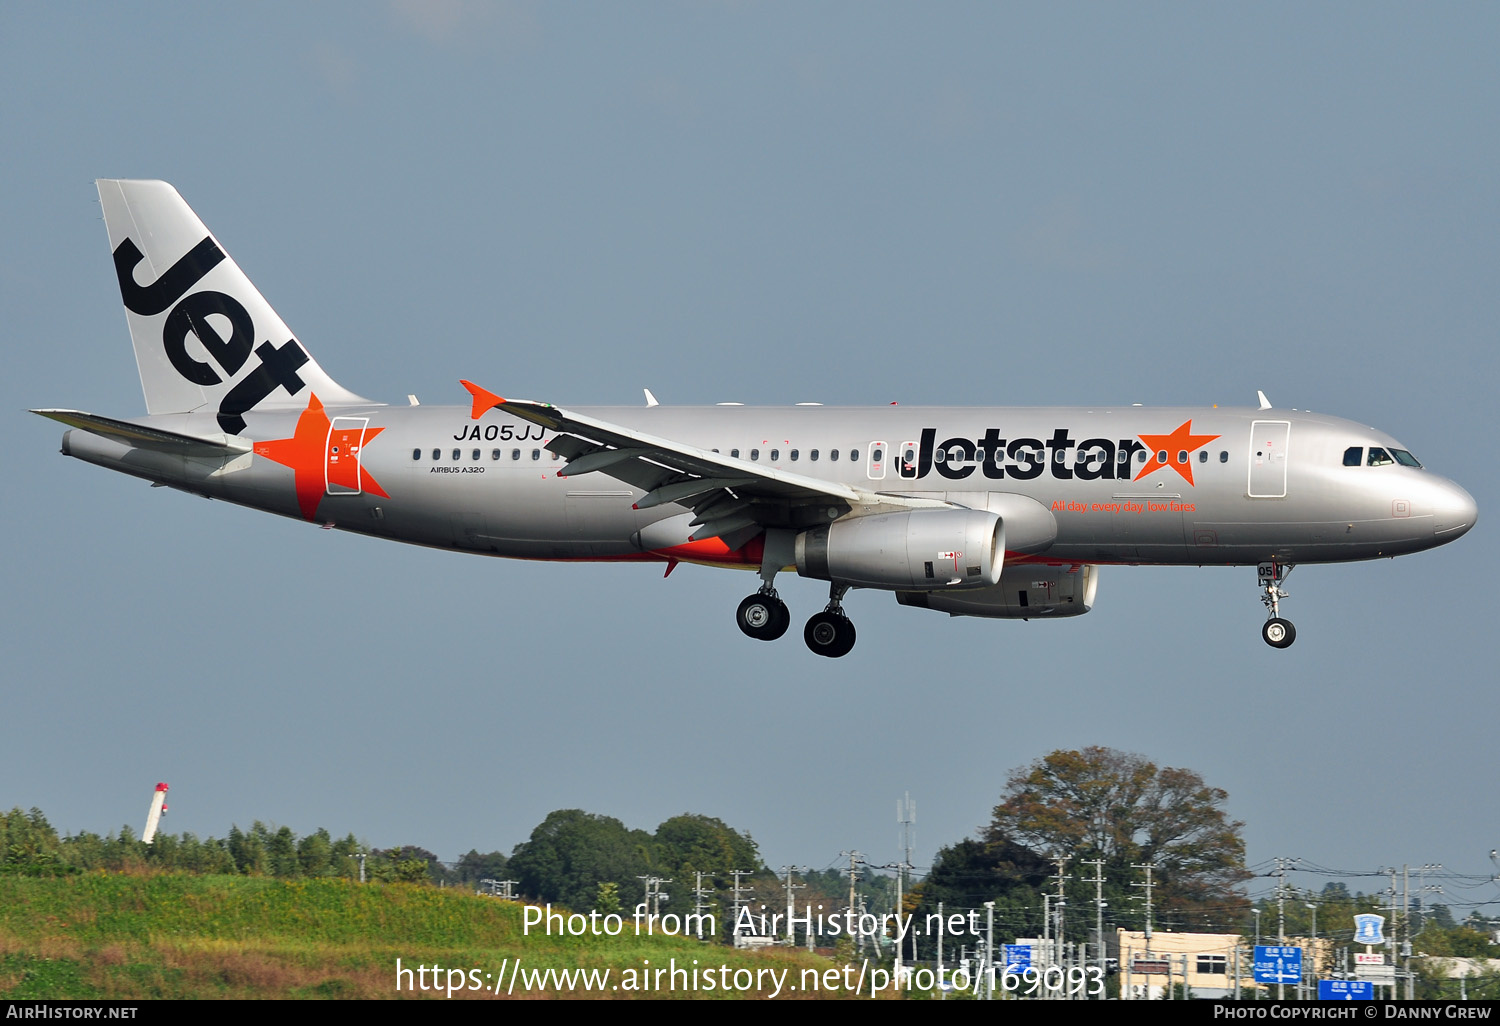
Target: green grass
[[133, 936]]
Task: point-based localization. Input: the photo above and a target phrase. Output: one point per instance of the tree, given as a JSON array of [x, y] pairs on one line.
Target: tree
[[1100, 803], [571, 852], [473, 867]]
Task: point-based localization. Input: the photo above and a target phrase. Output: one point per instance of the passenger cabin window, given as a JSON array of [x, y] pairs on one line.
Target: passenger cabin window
[[457, 453], [813, 455], [775, 455], [476, 454], [1223, 455], [494, 454], [416, 454], [1202, 455], [755, 454], [734, 454], [853, 455], [536, 454], [1379, 457], [833, 454], [876, 454], [437, 454], [515, 454], [1354, 456]]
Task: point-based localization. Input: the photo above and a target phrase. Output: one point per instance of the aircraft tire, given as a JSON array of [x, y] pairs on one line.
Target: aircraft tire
[[1278, 633], [763, 617], [829, 634]]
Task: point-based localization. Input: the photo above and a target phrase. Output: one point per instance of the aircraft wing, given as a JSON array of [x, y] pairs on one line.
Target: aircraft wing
[[142, 437], [733, 499]]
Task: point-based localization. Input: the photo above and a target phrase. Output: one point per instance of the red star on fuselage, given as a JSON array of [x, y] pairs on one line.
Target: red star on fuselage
[[320, 457], [1179, 446]]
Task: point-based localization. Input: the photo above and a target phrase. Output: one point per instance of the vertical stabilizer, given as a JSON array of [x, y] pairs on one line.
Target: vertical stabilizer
[[205, 338]]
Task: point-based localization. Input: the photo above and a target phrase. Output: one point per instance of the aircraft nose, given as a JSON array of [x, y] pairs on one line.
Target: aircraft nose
[[1454, 512]]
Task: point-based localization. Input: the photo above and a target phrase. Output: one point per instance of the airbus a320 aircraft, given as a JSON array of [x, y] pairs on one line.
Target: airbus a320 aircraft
[[1003, 513]]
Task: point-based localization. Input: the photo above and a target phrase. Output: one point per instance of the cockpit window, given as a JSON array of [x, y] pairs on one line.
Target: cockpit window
[[1405, 458], [1379, 457], [1354, 456]]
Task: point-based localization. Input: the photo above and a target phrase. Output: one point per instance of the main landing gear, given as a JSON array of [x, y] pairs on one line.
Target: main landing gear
[[1278, 633], [764, 617], [830, 633]]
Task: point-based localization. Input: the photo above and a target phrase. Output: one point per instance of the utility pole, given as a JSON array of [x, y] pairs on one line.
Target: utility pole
[[791, 932], [856, 859], [989, 951], [1314, 906], [1059, 907], [699, 905], [944, 994], [738, 903], [900, 868], [1281, 864], [1406, 921], [1148, 867], [1098, 882], [1393, 942]]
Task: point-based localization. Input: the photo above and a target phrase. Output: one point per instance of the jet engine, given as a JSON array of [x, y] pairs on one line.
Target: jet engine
[[939, 548], [1024, 591]]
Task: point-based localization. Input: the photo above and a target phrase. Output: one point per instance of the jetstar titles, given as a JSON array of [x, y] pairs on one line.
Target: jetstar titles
[[1064, 457]]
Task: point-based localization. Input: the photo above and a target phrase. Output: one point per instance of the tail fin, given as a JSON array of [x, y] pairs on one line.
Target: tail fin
[[204, 336]]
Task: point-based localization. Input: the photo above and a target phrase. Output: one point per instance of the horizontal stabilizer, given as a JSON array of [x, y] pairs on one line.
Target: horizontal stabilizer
[[143, 437]]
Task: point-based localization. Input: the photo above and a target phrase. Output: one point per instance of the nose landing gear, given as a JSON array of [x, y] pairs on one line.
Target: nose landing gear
[[1278, 633]]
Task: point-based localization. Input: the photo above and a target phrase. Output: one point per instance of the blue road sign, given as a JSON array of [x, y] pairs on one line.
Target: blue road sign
[[1346, 990], [1277, 964], [1017, 957]]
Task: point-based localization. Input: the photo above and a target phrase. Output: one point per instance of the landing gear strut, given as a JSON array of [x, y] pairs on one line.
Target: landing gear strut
[[763, 616], [830, 633], [1278, 633]]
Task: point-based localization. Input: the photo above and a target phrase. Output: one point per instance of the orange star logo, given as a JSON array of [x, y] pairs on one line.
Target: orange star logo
[[1178, 446], [321, 458]]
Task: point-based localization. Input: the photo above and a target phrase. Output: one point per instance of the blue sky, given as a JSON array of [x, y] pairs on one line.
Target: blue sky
[[976, 204]]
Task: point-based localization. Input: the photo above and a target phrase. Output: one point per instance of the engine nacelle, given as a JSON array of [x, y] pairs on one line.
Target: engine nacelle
[[1024, 591], [937, 548]]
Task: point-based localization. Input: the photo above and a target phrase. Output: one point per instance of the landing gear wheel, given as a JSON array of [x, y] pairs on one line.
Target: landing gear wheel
[[763, 617], [829, 634], [1278, 633]]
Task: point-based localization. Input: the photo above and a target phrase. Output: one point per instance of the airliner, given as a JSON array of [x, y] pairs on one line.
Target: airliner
[[1006, 513]]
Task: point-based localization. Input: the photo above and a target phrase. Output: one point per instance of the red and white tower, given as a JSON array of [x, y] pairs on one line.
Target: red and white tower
[[158, 809]]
